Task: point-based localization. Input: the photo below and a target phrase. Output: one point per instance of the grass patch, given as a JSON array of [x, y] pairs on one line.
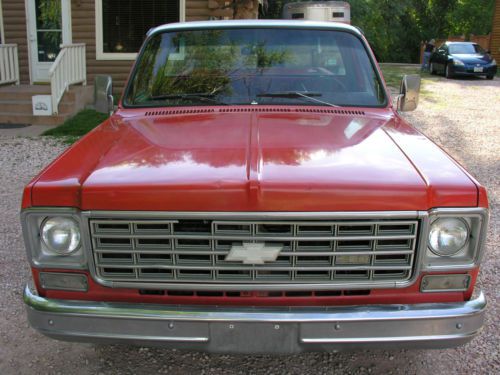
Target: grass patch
[[77, 126], [393, 74]]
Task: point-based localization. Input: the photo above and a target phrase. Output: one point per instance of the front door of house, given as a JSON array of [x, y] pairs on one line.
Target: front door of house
[[49, 26]]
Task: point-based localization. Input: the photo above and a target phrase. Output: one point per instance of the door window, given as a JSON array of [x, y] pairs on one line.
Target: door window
[[49, 29]]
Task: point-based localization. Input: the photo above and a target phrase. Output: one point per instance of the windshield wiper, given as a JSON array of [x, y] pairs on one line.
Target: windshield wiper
[[202, 96], [296, 94]]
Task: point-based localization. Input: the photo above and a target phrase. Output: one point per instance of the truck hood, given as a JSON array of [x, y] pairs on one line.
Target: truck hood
[[255, 160]]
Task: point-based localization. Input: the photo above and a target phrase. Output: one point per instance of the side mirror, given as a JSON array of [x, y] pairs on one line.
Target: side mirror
[[103, 94], [111, 104], [409, 92]]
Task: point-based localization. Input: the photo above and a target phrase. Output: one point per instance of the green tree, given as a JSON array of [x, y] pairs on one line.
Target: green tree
[[471, 17]]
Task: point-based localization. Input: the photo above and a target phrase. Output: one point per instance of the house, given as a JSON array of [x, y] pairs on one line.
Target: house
[[68, 42]]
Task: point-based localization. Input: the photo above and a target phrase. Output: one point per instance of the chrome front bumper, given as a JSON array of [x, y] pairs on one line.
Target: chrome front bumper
[[259, 330]]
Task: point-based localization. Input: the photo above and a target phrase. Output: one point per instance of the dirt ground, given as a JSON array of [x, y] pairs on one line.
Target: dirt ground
[[463, 116]]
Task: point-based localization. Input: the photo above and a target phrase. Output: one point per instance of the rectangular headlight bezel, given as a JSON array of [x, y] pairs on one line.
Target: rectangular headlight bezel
[[470, 256], [38, 256]]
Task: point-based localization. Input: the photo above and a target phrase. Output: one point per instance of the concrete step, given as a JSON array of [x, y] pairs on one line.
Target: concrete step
[[71, 95], [23, 92], [16, 118], [25, 106], [16, 104]]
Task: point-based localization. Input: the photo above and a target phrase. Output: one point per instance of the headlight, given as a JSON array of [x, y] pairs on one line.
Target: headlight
[[447, 236], [61, 235], [54, 237], [458, 62], [494, 62]]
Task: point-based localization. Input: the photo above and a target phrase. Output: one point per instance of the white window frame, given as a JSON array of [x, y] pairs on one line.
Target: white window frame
[[2, 31], [99, 45]]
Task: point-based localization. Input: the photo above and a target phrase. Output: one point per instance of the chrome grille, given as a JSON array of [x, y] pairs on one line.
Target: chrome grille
[[194, 250]]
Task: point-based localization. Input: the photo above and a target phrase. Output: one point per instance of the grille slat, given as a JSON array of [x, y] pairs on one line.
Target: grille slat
[[316, 251], [256, 238], [282, 253]]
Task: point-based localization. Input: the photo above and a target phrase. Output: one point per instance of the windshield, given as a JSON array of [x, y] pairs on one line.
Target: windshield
[[254, 66], [466, 49]]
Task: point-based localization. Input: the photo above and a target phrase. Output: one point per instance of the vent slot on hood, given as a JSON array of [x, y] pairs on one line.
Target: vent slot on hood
[[254, 109]]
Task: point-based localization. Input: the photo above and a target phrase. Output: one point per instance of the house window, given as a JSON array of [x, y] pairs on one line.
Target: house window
[[121, 25]]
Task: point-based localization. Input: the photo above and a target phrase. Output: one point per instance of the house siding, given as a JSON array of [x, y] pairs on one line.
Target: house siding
[[83, 27], [495, 33], [15, 29]]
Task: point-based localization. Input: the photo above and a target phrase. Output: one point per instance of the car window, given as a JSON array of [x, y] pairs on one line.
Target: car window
[[466, 48], [241, 66]]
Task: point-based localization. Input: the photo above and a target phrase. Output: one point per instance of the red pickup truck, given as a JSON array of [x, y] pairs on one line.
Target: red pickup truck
[[256, 191]]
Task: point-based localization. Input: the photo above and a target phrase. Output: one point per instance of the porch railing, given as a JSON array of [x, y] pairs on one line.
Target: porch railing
[[68, 69], [9, 64]]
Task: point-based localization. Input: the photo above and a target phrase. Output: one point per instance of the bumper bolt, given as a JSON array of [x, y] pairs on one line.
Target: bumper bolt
[[276, 326], [51, 322], [459, 325], [231, 326], [337, 327], [171, 325]]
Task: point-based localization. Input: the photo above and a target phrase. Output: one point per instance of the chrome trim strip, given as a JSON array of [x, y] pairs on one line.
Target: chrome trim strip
[[264, 215], [324, 340], [118, 336], [251, 330]]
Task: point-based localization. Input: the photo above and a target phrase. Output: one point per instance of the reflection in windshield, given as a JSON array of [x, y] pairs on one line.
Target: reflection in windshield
[[465, 49], [243, 66]]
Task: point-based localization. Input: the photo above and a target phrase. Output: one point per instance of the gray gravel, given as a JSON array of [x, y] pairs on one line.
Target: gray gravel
[[461, 115]]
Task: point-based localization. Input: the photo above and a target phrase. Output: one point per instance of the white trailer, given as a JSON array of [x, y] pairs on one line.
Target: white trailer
[[332, 11]]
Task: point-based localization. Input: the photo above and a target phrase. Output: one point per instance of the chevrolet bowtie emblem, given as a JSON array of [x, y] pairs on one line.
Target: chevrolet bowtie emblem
[[253, 253]]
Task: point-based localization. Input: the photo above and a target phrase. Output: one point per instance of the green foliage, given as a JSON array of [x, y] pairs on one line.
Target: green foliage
[[78, 125], [49, 17], [204, 66], [49, 14], [265, 58], [395, 28], [471, 17], [199, 62]]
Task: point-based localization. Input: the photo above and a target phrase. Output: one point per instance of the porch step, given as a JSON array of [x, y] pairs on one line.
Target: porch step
[[23, 92], [25, 106], [13, 94], [16, 107], [17, 118]]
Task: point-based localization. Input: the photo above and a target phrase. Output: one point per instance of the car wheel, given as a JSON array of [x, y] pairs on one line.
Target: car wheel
[[432, 69], [489, 77], [447, 71]]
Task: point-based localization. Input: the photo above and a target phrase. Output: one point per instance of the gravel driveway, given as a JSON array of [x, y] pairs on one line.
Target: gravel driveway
[[461, 115]]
